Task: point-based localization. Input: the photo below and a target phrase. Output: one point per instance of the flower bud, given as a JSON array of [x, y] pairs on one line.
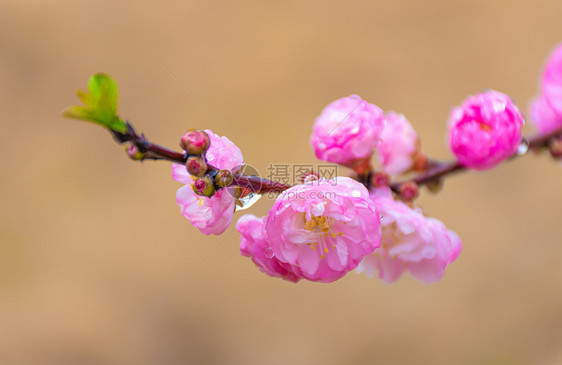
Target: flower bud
[[485, 130], [408, 191], [196, 165], [134, 153], [420, 162], [203, 186], [380, 179], [195, 142], [348, 129], [224, 178], [555, 148]]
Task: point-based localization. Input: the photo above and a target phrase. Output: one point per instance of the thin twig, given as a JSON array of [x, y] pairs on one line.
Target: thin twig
[[435, 173]]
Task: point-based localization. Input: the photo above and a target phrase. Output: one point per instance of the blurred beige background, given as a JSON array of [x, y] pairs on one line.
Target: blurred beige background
[[90, 242]]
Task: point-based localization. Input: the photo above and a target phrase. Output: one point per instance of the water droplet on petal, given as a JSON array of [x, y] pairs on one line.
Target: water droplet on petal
[[248, 201], [523, 147], [269, 253]]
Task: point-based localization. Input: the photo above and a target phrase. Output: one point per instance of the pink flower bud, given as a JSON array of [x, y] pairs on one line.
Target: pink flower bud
[[195, 142], [348, 129], [196, 165], [485, 130], [323, 228], [399, 145]]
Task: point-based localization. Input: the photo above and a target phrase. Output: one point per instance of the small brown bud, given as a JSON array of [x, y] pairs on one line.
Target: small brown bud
[[408, 191], [195, 142], [134, 153], [224, 178], [203, 186], [555, 148], [380, 179], [196, 165], [419, 162]]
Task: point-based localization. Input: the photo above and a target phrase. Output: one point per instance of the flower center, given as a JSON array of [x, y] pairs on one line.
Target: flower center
[[322, 224], [485, 127], [317, 223]]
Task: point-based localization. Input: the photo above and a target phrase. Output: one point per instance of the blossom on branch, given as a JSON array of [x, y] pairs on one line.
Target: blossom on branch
[[323, 228], [348, 129], [211, 215], [485, 130], [398, 146], [410, 242]]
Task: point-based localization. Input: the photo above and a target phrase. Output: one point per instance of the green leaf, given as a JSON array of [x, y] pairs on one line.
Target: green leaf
[[100, 104]]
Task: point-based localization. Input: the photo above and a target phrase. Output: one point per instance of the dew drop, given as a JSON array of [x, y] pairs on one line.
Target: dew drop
[[523, 147], [269, 253], [248, 201]]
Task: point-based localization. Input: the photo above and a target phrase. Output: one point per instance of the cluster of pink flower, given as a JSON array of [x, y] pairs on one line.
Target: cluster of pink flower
[[321, 229]]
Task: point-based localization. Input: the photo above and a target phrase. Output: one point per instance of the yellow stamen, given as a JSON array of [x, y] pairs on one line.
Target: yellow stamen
[[320, 222]]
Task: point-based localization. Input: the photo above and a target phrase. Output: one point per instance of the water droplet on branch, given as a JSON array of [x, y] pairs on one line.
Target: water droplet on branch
[[523, 147], [247, 201]]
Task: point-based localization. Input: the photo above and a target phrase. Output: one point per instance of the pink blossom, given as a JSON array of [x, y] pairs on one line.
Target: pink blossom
[[398, 146], [348, 129], [254, 245], [485, 130], [211, 215], [543, 116], [324, 228], [410, 242], [546, 108]]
